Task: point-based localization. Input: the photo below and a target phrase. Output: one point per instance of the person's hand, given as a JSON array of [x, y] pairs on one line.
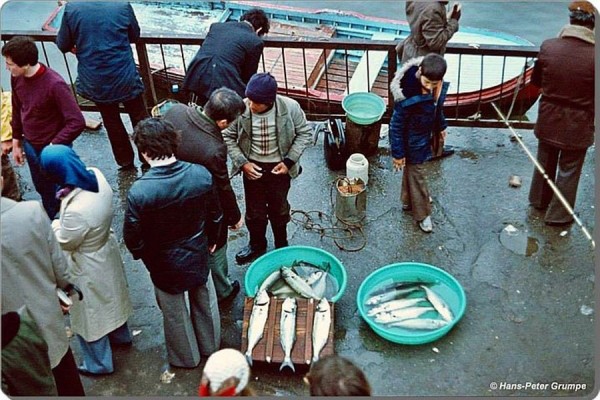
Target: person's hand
[[252, 171], [443, 134], [280, 169], [212, 248], [18, 152], [238, 224], [456, 12], [7, 146], [399, 163]]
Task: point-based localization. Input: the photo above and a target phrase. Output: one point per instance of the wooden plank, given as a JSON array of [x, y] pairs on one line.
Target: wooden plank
[[369, 66], [270, 346]]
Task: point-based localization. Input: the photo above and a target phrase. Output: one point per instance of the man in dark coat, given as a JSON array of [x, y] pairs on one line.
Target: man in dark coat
[[172, 222], [100, 34], [202, 143], [228, 57], [565, 126]]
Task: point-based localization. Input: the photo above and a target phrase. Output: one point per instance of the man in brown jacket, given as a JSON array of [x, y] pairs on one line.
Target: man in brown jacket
[[564, 71]]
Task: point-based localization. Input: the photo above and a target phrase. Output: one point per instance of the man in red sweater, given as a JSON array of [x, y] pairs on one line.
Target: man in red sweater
[[44, 112]]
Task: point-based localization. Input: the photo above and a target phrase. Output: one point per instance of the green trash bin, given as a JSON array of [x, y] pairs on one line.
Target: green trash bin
[[363, 122]]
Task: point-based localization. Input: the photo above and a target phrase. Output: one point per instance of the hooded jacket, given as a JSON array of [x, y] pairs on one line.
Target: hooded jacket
[[564, 71], [416, 116]]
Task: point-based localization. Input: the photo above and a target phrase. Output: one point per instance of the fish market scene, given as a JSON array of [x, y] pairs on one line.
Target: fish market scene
[[283, 198]]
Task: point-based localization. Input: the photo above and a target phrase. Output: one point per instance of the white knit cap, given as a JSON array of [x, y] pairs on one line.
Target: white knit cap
[[224, 364]]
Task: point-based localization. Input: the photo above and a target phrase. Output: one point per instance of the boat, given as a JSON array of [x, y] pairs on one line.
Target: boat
[[321, 77]]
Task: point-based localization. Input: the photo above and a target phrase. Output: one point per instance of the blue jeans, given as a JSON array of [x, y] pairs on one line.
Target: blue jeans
[[41, 180], [97, 355]]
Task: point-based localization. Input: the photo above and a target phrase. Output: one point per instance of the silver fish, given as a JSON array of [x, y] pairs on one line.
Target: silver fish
[[269, 280], [394, 294], [321, 325], [320, 286], [420, 323], [258, 320], [402, 314], [287, 331], [313, 277], [394, 305], [284, 290], [440, 305], [297, 283]]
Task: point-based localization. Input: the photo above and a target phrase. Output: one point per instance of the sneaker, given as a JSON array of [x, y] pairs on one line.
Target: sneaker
[[426, 225]]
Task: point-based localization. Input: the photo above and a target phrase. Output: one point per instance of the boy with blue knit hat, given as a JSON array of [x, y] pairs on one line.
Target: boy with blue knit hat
[[265, 143]]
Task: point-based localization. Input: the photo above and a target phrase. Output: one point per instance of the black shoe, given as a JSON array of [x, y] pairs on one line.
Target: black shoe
[[559, 224], [127, 167], [448, 151], [235, 289], [248, 254]]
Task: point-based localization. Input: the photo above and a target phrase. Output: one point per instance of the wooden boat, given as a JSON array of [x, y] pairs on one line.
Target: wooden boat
[[322, 77]]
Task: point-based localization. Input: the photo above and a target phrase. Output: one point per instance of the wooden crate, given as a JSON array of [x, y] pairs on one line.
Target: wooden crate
[[269, 346]]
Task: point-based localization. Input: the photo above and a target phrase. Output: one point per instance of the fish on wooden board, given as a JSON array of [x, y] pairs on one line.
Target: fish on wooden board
[[394, 305], [440, 305], [391, 295], [269, 280], [258, 320], [297, 283], [287, 331], [321, 325], [420, 323], [401, 314]]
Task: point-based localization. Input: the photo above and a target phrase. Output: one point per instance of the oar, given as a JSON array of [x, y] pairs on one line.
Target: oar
[[539, 167]]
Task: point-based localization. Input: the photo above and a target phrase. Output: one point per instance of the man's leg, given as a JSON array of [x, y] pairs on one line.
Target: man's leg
[[42, 182], [278, 208], [219, 268], [540, 192], [117, 134], [256, 219], [136, 108], [570, 164], [97, 356], [67, 378], [205, 317]]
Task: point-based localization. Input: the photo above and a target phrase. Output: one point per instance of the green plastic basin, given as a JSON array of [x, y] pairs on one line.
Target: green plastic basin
[[444, 284], [273, 260], [363, 108]]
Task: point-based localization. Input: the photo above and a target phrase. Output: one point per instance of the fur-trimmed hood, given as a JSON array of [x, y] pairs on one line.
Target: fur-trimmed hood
[[395, 88], [579, 32]]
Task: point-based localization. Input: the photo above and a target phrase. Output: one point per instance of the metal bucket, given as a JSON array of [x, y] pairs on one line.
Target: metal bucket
[[350, 201]]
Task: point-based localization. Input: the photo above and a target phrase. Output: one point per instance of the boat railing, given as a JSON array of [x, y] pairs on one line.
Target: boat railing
[[319, 72]]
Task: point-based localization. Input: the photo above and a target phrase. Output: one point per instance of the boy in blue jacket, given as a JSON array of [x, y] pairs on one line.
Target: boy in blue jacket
[[419, 94]]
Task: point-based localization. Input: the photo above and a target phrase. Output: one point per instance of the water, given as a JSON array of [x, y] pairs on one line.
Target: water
[[518, 241]]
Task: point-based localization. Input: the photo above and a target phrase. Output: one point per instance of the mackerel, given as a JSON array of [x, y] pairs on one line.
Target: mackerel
[[440, 305], [420, 323], [297, 283], [320, 286], [269, 280], [394, 294], [402, 314], [321, 325], [313, 277], [394, 305], [287, 331], [258, 320]]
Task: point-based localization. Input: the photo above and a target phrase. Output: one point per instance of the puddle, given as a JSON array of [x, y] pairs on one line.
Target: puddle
[[518, 241], [468, 155]]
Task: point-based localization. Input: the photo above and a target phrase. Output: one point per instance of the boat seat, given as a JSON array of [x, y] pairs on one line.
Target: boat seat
[[372, 64]]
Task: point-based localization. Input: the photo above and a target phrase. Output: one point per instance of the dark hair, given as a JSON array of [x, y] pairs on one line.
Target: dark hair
[[582, 18], [225, 104], [258, 19], [433, 67], [337, 376], [156, 137], [21, 50]]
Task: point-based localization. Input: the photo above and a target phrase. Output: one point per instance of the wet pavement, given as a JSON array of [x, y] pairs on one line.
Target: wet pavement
[[529, 325]]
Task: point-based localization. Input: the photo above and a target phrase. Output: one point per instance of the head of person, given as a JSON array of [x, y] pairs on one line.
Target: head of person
[[224, 106], [156, 138], [582, 13], [432, 70], [258, 19], [337, 376], [261, 90], [64, 166], [226, 373], [21, 54]]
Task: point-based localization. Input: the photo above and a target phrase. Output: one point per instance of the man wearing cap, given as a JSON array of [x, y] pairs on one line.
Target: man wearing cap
[[266, 143], [564, 71]]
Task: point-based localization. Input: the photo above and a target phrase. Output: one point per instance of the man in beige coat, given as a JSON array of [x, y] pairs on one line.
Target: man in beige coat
[[33, 267]]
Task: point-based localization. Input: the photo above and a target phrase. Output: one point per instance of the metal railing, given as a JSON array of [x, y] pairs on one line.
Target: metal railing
[[318, 72]]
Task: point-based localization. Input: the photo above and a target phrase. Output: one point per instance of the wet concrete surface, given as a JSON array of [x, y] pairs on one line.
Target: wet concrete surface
[[529, 317]]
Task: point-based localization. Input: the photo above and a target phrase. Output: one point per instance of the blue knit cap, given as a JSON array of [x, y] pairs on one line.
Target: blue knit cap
[[65, 166], [262, 88]]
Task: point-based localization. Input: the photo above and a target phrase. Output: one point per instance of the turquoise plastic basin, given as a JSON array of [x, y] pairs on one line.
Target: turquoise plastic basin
[[363, 108], [273, 260], [444, 284]]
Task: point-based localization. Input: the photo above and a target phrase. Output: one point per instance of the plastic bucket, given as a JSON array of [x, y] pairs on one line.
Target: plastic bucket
[[263, 266], [363, 108]]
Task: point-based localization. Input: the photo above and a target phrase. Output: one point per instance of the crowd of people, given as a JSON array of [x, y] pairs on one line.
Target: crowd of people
[[179, 211]]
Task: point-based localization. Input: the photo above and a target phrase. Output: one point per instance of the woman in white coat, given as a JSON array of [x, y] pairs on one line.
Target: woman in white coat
[[84, 233]]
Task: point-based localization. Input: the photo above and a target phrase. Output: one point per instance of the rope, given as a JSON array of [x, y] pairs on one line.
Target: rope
[[554, 188], [339, 229]]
